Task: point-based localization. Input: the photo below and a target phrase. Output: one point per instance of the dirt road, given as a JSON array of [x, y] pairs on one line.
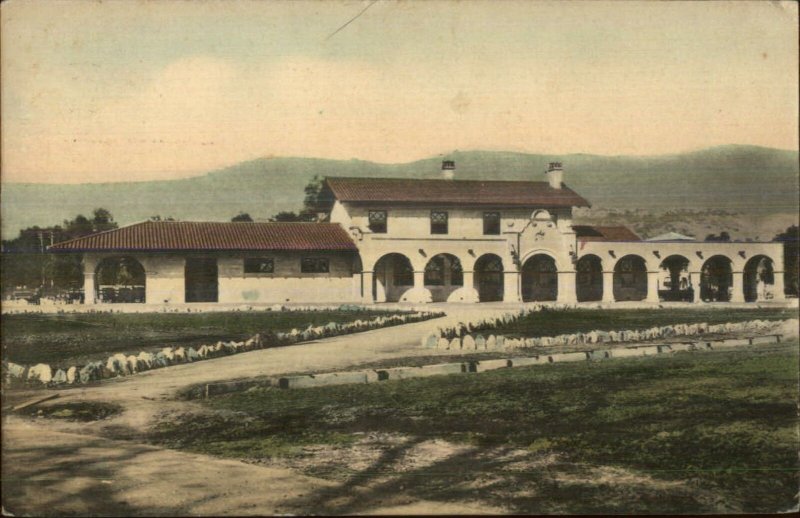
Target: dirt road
[[56, 467]]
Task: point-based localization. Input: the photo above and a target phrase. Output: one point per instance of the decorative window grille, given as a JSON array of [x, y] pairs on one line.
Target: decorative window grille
[[377, 221], [438, 222]]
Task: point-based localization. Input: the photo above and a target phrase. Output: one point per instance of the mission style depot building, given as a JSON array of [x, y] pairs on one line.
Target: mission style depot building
[[410, 240]]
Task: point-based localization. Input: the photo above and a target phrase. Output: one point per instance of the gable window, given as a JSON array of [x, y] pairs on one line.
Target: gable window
[[314, 265], [377, 221], [438, 222], [259, 265], [491, 223]]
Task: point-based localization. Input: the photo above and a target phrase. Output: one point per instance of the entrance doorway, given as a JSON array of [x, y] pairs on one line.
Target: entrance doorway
[[200, 276]]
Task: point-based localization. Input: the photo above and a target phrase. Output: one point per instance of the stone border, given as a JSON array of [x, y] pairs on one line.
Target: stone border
[[122, 365], [463, 336], [478, 366]]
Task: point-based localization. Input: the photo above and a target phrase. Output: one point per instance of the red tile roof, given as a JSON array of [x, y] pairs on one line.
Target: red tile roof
[[193, 235], [453, 192], [593, 233]]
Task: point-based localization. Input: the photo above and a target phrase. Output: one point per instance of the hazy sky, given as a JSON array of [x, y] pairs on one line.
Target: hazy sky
[[127, 90]]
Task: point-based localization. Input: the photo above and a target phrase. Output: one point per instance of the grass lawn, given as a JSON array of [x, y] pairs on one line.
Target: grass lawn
[[77, 338], [555, 322], [692, 432]]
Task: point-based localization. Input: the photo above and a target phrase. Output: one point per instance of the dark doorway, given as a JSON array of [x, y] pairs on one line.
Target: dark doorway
[[630, 278], [716, 279], [539, 279], [589, 284], [674, 282], [201, 279], [489, 278]]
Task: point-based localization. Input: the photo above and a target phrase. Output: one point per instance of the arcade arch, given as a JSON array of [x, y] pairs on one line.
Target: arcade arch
[[120, 279], [489, 278], [630, 278], [393, 276], [539, 279]]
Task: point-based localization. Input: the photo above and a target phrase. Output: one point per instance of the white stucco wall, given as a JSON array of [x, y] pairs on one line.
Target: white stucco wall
[[288, 283]]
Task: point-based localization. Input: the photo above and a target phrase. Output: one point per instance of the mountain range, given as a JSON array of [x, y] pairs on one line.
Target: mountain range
[[746, 179]]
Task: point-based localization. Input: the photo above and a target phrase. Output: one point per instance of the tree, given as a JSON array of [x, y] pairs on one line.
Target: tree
[[317, 202], [25, 261], [723, 237], [318, 199], [286, 216], [242, 217], [791, 259]]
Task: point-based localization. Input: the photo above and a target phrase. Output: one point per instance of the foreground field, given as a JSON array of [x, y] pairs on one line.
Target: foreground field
[[554, 322], [693, 432], [77, 338]]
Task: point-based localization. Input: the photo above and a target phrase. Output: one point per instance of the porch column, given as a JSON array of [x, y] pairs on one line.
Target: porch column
[[694, 280], [566, 288], [88, 288], [608, 286], [737, 290], [469, 280], [366, 286], [652, 287], [778, 286], [419, 279], [511, 287]]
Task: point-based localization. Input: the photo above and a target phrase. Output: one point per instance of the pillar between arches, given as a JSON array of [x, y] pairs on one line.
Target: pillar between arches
[[419, 279], [469, 279], [778, 286], [652, 287], [511, 287], [608, 286], [366, 286], [566, 287], [737, 289], [694, 281]]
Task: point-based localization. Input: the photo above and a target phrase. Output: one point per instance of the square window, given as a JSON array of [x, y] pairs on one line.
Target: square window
[[314, 265], [377, 221], [259, 265], [438, 222], [491, 223]]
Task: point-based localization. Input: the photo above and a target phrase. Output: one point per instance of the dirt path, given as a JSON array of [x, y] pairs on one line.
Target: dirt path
[[57, 467]]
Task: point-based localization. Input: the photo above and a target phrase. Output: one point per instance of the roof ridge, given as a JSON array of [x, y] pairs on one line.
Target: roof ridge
[[99, 233], [458, 180]]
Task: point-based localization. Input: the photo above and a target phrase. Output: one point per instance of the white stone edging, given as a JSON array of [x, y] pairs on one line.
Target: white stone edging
[[122, 365]]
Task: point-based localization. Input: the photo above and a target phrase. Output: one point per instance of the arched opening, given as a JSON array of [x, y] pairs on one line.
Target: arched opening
[[393, 276], [759, 279], [443, 275], [630, 278], [716, 279], [120, 280], [489, 278], [539, 279], [589, 283], [673, 282]]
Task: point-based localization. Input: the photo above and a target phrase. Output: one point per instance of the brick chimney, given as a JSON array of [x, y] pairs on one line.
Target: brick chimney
[[448, 169], [555, 175]]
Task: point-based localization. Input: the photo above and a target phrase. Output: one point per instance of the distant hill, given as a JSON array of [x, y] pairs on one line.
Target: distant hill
[[748, 179]]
